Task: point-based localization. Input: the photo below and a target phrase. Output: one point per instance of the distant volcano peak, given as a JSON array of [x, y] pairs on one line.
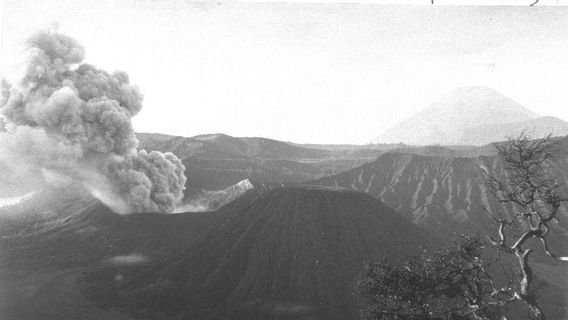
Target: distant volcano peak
[[475, 90], [445, 121]]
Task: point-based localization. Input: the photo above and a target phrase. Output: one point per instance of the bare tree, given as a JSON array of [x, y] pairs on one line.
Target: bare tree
[[448, 284], [535, 193]]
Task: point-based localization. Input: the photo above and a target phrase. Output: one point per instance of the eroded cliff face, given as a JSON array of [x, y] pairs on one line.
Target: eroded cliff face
[[442, 194]]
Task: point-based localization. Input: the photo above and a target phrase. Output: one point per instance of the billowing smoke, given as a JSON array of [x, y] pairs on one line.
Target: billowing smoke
[[6, 86], [69, 121]]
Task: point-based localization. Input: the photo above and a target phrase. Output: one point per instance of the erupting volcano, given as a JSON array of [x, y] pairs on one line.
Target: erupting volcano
[[67, 121]]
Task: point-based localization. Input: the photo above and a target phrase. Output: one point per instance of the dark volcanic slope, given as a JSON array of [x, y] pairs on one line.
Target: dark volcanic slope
[[290, 254], [97, 233], [42, 256]]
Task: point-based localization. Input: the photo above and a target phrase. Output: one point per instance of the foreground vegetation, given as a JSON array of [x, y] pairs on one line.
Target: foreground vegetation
[[459, 282]]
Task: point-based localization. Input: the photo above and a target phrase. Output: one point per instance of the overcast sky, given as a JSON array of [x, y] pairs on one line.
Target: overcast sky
[[320, 73]]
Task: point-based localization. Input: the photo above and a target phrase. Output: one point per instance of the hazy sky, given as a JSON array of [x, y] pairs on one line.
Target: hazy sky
[[322, 73]]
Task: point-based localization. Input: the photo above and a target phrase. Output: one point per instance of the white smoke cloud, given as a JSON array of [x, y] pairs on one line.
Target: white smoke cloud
[[131, 259], [6, 86], [212, 200], [70, 120]]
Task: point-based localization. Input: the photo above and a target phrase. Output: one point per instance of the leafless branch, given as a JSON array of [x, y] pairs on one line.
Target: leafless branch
[[529, 186], [547, 250]]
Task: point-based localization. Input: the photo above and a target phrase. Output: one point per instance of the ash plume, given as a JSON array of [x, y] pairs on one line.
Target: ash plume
[[6, 86], [69, 121]]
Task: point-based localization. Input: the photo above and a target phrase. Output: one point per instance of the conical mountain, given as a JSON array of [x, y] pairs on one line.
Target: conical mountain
[[291, 253], [445, 120]]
